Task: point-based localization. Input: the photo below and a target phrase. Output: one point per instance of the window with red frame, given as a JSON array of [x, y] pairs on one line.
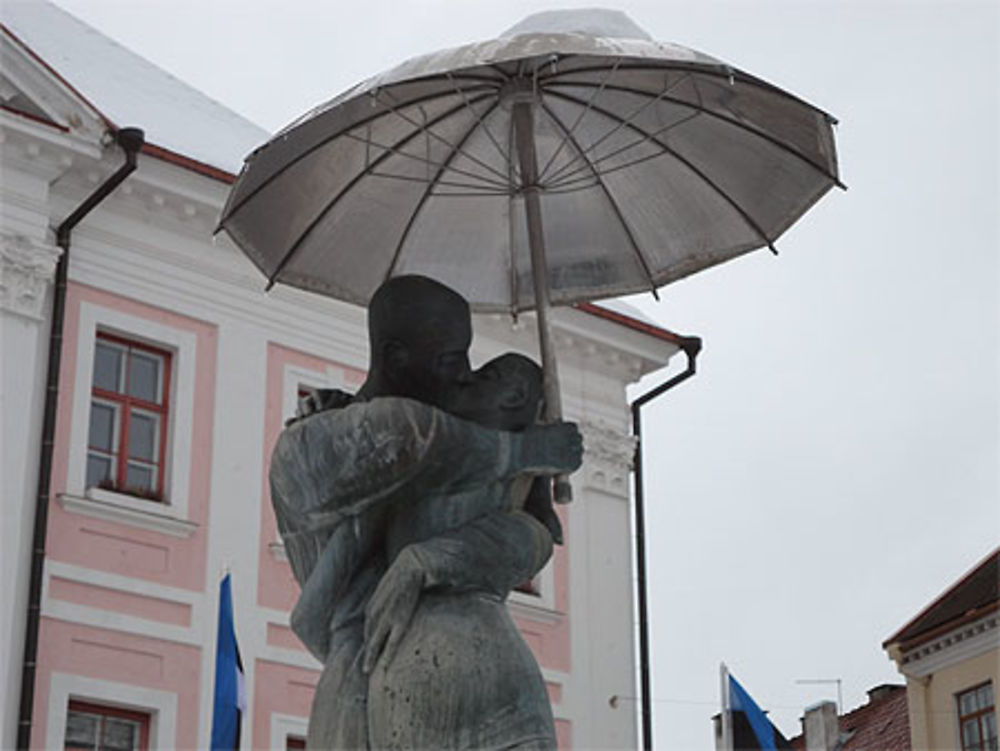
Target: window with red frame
[[292, 743], [100, 728], [977, 719], [128, 417]]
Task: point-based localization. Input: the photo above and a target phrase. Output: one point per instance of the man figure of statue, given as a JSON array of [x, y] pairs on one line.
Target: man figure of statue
[[344, 478]]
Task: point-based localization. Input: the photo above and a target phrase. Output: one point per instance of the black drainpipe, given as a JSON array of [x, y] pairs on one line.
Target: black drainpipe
[[131, 140], [691, 346]]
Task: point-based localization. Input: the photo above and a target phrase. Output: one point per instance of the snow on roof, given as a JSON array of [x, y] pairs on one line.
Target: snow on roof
[[129, 90]]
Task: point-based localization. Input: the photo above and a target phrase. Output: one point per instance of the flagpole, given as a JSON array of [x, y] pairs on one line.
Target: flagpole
[[727, 715]]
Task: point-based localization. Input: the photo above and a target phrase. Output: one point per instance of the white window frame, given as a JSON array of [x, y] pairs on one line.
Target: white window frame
[[170, 516], [295, 376], [292, 377], [161, 706], [283, 725]]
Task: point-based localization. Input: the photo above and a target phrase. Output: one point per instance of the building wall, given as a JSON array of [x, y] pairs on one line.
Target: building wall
[[932, 699], [130, 592]]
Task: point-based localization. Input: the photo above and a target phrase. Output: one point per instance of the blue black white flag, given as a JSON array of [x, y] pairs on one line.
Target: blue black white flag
[[230, 695], [745, 727]]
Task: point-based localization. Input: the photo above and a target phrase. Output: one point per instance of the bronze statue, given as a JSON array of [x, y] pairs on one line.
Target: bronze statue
[[403, 525]]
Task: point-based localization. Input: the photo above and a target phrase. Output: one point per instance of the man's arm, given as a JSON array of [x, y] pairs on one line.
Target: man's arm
[[342, 461], [491, 554]]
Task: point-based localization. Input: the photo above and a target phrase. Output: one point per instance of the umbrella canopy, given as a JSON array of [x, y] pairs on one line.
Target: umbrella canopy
[[651, 161]]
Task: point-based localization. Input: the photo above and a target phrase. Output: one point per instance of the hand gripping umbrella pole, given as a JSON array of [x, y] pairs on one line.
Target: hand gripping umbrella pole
[[524, 129]]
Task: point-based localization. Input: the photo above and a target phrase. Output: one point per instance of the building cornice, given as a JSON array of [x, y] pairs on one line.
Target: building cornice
[[968, 640]]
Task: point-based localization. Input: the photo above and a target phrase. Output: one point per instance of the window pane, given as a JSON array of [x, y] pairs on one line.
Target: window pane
[[970, 732], [139, 477], [143, 432], [81, 730], [119, 735], [968, 702], [98, 469], [108, 359], [102, 426], [986, 696], [991, 726], [144, 376]]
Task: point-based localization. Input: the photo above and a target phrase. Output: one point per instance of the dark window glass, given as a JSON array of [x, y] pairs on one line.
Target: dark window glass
[[144, 376], [109, 360], [100, 728], [128, 417], [976, 719]]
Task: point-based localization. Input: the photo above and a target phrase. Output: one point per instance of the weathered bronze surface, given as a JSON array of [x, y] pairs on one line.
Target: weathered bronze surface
[[403, 511]]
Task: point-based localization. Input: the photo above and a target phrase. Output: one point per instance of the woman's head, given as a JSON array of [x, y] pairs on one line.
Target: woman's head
[[505, 393]]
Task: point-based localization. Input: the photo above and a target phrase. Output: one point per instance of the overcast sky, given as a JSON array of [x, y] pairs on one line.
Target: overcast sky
[[834, 465]]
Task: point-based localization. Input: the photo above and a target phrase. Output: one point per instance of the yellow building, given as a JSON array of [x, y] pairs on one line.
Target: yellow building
[[950, 655]]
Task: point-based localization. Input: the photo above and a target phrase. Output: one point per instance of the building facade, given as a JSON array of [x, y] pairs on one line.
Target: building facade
[[950, 655], [177, 373]]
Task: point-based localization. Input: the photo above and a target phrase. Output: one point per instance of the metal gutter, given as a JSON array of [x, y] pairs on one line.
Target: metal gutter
[[131, 140], [691, 346]]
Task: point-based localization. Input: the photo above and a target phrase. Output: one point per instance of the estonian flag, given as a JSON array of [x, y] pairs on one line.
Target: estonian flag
[[230, 696], [745, 726]]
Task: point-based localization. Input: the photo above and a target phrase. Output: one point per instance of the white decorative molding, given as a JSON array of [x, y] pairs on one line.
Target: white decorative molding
[[609, 456], [27, 267], [97, 617], [128, 510], [963, 643]]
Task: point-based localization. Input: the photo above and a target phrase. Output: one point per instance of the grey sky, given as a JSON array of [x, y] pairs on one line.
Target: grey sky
[[834, 465]]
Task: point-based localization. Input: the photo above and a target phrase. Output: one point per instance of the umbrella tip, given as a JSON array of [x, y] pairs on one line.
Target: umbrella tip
[[597, 22]]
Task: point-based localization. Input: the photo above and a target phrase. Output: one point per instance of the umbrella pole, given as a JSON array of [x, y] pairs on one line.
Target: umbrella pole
[[524, 129]]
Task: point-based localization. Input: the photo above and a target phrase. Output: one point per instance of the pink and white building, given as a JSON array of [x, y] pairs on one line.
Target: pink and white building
[[177, 372]]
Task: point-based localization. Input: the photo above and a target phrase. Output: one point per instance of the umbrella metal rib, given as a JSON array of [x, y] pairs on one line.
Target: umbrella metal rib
[[293, 249], [579, 118], [568, 178], [788, 148], [628, 119], [720, 70], [697, 172], [428, 191], [482, 123], [502, 186], [426, 130], [611, 201], [307, 152]]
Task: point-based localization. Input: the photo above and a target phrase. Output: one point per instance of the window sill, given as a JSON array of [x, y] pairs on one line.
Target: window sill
[[532, 608], [129, 510]]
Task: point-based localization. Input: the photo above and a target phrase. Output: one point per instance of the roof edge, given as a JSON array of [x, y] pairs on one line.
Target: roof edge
[[895, 638], [55, 74], [686, 343], [202, 168]]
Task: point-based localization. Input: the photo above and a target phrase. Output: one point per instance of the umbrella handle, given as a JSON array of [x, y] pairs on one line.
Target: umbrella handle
[[562, 491], [524, 128]]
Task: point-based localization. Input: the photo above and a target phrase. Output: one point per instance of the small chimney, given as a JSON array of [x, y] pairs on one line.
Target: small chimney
[[821, 726], [881, 692]]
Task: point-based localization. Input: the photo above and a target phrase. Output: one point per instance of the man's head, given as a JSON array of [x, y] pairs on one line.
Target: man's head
[[420, 332], [506, 394]]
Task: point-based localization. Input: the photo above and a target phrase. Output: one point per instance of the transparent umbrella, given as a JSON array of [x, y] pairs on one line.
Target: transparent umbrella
[[572, 158]]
